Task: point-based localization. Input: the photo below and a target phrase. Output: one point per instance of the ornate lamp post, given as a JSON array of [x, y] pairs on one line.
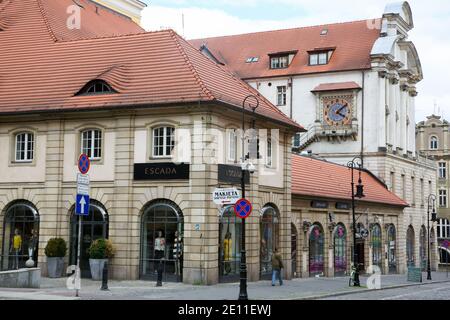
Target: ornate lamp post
[[245, 167], [433, 219], [359, 194]]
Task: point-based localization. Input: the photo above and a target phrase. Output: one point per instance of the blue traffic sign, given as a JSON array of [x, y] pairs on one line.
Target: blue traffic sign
[[82, 205], [243, 208]]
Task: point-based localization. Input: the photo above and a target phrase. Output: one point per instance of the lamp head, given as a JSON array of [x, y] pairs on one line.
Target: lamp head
[[360, 190]]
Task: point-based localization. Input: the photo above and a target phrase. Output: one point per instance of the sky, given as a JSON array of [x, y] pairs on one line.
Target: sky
[[207, 18]]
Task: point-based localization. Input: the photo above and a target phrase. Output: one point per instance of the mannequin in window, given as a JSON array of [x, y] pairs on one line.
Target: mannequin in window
[[264, 253], [227, 253], [16, 247], [160, 245], [32, 244], [177, 252]]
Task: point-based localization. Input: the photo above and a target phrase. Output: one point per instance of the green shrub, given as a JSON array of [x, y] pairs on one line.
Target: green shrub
[[101, 249], [56, 247]]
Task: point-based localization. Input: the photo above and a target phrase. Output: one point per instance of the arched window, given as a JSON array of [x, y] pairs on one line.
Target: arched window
[[230, 229], [24, 147], [163, 142], [96, 87], [434, 143], [410, 247], [376, 245], [340, 247], [162, 241], [316, 250], [392, 247], [269, 232], [20, 233], [91, 143]]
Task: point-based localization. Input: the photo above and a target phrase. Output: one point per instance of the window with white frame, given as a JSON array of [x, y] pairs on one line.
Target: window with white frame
[[434, 143], [443, 229], [232, 145], [281, 96], [279, 62], [443, 198], [91, 143], [442, 170], [269, 152], [24, 147], [163, 142], [319, 58]]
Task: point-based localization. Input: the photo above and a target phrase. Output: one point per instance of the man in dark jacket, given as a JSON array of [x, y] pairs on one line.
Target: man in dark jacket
[[277, 265]]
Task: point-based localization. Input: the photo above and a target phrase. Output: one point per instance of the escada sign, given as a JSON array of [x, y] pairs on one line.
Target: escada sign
[[161, 171]]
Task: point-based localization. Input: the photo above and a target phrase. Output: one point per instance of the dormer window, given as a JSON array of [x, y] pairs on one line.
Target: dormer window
[[279, 62], [96, 87], [319, 57]]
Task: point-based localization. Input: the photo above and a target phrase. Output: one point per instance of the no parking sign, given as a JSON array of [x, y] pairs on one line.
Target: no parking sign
[[243, 208]]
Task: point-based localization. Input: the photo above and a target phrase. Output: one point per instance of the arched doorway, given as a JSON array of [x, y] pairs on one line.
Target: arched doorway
[[392, 249], [269, 233], [316, 250], [423, 248], [410, 261], [360, 247], [162, 241], [340, 249], [229, 245], [21, 222], [294, 250], [94, 226], [377, 247]]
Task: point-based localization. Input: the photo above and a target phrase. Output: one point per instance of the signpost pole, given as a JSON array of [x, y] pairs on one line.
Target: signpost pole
[[78, 276]]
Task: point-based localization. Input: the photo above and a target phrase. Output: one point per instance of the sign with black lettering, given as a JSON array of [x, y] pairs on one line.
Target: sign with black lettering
[[161, 171], [319, 204], [231, 174], [342, 206]]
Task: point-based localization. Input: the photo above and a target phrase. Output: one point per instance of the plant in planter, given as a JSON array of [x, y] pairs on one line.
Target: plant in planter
[[55, 250], [99, 252]]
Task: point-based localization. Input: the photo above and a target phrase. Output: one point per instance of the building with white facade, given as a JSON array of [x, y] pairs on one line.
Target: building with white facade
[[353, 86]]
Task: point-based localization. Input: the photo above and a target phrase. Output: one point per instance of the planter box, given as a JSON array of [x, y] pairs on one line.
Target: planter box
[[97, 268], [55, 267]]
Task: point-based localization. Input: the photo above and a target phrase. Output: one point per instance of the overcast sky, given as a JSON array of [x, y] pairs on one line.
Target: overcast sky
[[206, 18]]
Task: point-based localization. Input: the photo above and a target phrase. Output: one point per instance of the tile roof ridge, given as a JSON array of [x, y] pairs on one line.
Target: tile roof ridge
[[196, 75], [287, 29], [47, 23], [113, 36]]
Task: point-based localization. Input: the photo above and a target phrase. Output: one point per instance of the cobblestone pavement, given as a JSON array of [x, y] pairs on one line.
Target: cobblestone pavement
[[307, 288], [435, 291]]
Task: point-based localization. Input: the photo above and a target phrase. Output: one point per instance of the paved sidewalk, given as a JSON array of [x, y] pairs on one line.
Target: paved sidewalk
[[309, 288]]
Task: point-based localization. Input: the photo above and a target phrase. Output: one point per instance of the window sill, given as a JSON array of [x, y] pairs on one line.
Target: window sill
[[22, 163]]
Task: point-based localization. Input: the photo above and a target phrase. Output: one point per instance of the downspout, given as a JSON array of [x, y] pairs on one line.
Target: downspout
[[363, 73]]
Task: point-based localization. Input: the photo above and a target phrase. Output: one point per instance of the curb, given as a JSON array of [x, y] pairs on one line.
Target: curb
[[345, 293]]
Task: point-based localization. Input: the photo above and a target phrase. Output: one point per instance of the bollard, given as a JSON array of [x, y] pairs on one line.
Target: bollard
[[160, 270], [105, 277]]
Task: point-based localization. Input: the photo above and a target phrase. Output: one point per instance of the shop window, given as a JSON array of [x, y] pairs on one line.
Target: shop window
[[229, 245], [91, 143], [269, 233], [422, 248], [340, 247], [163, 142], [20, 235], [392, 247], [162, 241], [316, 250], [24, 147], [410, 260], [376, 245]]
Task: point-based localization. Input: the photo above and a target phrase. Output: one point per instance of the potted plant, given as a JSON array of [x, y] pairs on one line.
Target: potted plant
[[99, 252], [55, 250]]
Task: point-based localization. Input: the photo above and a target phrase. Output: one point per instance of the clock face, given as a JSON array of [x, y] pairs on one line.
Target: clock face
[[337, 112]]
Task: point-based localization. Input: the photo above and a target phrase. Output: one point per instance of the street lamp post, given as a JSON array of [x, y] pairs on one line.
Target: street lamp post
[[433, 219], [244, 168], [359, 194]]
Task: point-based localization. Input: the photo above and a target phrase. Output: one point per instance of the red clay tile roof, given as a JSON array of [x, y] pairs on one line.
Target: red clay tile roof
[[312, 177], [336, 86], [149, 68], [353, 42]]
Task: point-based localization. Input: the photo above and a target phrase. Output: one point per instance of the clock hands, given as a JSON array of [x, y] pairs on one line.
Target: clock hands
[[341, 108]]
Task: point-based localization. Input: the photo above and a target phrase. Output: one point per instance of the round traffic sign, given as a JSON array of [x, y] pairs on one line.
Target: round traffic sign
[[446, 244], [84, 163], [243, 208]]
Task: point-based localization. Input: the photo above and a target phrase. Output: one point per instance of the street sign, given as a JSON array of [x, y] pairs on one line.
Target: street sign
[[84, 163], [243, 208], [364, 233], [226, 196], [82, 205], [83, 184]]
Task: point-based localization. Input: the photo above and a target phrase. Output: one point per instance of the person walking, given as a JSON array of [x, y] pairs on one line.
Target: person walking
[[277, 265]]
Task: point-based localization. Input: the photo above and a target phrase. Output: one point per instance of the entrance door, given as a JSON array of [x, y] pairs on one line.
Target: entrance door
[[94, 226], [360, 254]]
